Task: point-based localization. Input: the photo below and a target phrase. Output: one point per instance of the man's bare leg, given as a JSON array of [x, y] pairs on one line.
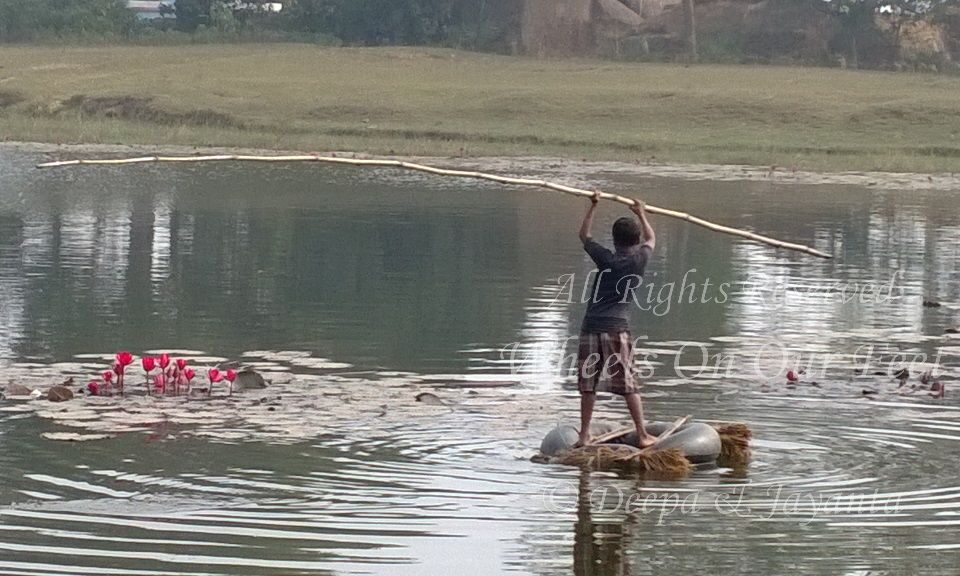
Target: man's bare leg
[[587, 400], [635, 404]]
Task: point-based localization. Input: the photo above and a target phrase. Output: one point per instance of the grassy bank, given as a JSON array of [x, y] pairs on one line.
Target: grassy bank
[[419, 101]]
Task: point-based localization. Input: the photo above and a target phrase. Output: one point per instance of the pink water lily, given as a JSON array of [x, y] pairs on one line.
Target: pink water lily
[[230, 376], [187, 375], [118, 370], [124, 359], [160, 383], [174, 374], [214, 376]]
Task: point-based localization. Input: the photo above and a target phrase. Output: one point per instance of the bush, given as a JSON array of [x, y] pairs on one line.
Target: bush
[[488, 24], [57, 19], [722, 47]]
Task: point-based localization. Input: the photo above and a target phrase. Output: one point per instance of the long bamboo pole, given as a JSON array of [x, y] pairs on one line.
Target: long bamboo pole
[[457, 173]]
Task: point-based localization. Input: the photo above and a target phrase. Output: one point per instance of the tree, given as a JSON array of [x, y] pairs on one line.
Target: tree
[[856, 18], [221, 18], [21, 21], [902, 11], [690, 21], [314, 16], [374, 22], [192, 13]]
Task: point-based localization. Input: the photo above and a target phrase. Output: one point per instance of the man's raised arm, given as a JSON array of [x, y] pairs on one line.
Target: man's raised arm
[[649, 237], [587, 225]]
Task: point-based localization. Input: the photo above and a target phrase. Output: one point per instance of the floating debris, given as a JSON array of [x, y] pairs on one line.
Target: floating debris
[[902, 375], [938, 390]]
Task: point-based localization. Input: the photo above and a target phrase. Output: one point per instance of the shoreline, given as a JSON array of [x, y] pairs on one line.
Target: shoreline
[[705, 121], [568, 170]]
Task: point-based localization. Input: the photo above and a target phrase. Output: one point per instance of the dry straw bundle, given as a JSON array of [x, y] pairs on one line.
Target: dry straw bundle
[[670, 462], [389, 163], [734, 444]]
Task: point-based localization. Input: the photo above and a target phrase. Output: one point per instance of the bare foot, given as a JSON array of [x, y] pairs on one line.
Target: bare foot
[[647, 441], [582, 441]]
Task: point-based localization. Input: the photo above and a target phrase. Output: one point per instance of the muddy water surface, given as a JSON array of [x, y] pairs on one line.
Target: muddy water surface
[[353, 291]]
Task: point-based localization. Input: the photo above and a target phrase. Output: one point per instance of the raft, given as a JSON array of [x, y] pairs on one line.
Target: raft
[[694, 445]]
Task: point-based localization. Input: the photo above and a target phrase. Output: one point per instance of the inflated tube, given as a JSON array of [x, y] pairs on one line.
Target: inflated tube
[[698, 441]]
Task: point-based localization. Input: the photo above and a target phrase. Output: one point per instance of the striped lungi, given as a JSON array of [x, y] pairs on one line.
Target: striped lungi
[[606, 356]]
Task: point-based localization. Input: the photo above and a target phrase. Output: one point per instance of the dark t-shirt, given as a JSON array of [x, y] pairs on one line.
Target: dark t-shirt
[[618, 275]]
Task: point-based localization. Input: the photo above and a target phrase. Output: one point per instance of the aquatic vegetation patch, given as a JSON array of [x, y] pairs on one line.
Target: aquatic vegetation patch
[[301, 406], [163, 374]]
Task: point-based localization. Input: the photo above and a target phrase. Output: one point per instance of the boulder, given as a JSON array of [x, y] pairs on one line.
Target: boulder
[[59, 394], [922, 41], [249, 380], [617, 12], [16, 390], [430, 398]]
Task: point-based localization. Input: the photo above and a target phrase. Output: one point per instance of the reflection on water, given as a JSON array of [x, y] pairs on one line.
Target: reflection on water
[[354, 290]]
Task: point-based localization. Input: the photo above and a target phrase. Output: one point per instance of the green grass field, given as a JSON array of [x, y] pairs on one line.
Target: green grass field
[[442, 102]]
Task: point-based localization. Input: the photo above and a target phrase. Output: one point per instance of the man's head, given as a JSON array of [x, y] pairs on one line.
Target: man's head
[[626, 232]]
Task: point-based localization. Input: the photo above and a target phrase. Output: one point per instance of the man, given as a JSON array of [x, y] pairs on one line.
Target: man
[[606, 346]]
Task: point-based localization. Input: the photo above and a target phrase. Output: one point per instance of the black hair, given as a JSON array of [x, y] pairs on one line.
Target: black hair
[[626, 232]]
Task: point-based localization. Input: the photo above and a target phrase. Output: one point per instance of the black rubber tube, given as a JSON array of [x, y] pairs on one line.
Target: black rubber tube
[[699, 442]]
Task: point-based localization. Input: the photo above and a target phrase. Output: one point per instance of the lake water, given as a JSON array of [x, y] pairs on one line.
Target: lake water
[[355, 290]]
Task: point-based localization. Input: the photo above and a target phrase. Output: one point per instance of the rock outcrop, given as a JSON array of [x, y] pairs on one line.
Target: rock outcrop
[[59, 394], [16, 390]]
